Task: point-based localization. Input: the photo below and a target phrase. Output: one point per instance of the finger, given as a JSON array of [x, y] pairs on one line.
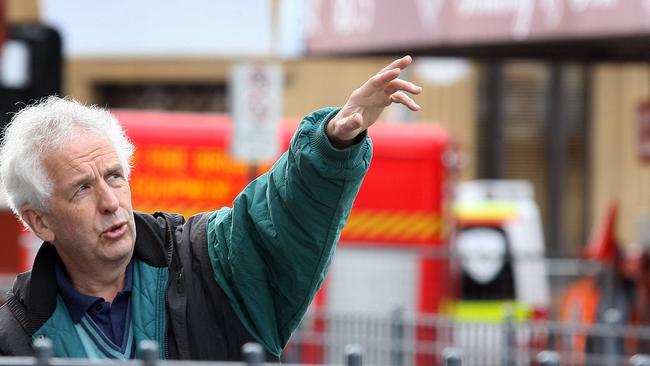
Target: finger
[[400, 63], [380, 80], [402, 85], [402, 98]]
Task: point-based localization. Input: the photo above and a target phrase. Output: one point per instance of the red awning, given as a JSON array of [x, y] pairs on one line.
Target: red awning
[[371, 26]]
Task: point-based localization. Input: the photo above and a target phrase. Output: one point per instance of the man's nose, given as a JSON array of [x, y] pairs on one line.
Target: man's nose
[[108, 200]]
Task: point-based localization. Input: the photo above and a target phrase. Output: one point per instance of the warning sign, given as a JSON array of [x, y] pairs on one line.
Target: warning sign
[[256, 111]]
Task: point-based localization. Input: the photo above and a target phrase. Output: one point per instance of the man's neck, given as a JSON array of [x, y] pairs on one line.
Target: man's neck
[[105, 282]]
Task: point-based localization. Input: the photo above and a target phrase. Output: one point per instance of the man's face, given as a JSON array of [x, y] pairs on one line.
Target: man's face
[[90, 219]]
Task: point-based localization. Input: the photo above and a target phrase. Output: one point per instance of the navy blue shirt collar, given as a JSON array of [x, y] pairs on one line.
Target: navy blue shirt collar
[[78, 303]]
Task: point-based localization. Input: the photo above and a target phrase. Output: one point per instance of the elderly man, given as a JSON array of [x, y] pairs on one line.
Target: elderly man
[[107, 277]]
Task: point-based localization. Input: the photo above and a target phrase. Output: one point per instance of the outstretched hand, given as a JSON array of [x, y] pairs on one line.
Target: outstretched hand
[[368, 101]]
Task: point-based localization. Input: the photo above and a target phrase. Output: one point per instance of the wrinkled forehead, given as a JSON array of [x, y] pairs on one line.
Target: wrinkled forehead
[[84, 152]]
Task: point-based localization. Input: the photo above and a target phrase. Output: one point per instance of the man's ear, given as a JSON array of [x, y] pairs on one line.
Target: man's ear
[[38, 223]]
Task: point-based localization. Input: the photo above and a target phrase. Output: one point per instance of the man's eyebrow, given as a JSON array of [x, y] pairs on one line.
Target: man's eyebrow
[[115, 168]]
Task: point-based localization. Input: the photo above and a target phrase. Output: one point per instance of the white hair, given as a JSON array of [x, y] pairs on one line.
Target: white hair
[[42, 127]]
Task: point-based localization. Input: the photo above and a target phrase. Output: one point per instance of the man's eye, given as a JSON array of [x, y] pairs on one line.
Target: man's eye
[[114, 176]]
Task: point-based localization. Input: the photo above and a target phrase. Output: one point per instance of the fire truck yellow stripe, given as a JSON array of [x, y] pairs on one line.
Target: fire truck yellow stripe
[[392, 225], [379, 230], [367, 223], [396, 230], [432, 229], [421, 227]]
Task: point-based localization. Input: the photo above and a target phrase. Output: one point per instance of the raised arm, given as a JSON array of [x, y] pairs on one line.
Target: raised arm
[[271, 251]]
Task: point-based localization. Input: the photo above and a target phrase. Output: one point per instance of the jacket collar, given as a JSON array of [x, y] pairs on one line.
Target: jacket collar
[[36, 291]]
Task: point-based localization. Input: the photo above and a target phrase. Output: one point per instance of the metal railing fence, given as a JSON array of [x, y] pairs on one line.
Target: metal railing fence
[[416, 340], [148, 351], [253, 355]]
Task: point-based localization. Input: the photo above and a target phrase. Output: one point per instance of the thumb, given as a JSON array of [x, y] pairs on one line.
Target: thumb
[[352, 123], [349, 127], [343, 130]]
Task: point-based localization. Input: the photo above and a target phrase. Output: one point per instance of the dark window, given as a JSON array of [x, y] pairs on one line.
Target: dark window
[[533, 125], [163, 96]]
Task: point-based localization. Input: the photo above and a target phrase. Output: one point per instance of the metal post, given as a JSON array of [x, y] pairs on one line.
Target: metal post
[[548, 358], [556, 148], [611, 343], [508, 336], [586, 117], [353, 355], [149, 351], [491, 117], [640, 360], [451, 357], [253, 354], [43, 351], [397, 336]]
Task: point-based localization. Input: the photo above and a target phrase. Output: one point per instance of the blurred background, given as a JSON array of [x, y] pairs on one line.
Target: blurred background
[[510, 215]]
